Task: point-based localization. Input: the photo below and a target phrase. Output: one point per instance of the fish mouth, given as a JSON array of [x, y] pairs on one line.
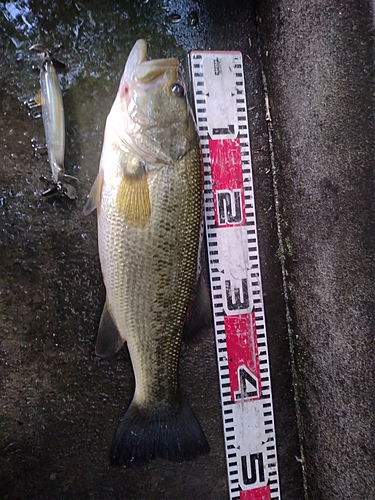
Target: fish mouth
[[140, 70]]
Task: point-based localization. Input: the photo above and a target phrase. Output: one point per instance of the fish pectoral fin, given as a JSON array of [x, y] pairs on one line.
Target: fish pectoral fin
[[108, 341], [200, 314], [133, 198], [95, 195]]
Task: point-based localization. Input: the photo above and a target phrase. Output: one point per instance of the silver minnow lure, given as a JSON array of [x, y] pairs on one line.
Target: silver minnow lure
[[54, 121]]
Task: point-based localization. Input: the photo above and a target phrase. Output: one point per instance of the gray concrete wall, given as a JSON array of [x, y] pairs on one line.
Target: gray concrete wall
[[319, 63]]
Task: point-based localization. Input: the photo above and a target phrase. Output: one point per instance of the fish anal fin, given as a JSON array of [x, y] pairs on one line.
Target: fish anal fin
[[200, 314], [95, 196], [108, 341], [133, 198], [170, 431]]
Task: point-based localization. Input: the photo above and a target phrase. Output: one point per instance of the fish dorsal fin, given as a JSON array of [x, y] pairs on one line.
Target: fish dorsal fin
[[95, 195], [108, 341], [133, 198]]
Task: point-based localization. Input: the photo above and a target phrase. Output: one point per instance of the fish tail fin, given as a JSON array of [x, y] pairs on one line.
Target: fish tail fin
[[170, 431]]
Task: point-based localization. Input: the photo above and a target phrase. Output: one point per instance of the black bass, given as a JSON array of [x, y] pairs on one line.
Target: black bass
[[54, 122], [148, 196]]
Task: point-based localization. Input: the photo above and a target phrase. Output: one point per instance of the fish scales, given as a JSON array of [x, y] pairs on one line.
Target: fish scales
[[149, 290]]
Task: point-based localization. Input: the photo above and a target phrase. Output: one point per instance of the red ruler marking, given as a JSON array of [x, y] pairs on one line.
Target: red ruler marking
[[240, 330], [256, 494], [227, 183], [243, 359]]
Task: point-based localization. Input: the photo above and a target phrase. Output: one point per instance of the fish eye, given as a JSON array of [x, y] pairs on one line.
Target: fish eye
[[177, 89]]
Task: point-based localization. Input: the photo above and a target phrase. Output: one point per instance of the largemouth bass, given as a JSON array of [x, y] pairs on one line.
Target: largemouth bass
[[148, 195], [54, 123]]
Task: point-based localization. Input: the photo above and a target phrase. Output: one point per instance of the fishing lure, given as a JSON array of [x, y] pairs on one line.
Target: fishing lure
[[54, 124]]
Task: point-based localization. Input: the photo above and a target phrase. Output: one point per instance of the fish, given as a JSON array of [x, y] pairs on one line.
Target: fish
[[148, 195], [54, 123]]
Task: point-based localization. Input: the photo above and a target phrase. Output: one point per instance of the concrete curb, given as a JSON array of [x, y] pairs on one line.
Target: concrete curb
[[318, 62]]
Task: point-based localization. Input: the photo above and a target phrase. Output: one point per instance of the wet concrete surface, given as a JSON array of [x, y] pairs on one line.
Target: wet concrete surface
[[60, 404], [319, 64]]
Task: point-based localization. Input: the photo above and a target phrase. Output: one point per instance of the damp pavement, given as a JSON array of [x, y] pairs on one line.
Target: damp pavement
[[313, 168]]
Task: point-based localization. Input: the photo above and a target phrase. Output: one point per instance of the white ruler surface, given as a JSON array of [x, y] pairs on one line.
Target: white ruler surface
[[240, 329]]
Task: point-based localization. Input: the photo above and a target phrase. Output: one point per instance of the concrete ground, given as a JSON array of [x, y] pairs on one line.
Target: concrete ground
[[313, 167], [319, 65]]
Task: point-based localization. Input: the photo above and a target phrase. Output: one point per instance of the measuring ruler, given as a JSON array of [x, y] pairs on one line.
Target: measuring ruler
[[236, 289]]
